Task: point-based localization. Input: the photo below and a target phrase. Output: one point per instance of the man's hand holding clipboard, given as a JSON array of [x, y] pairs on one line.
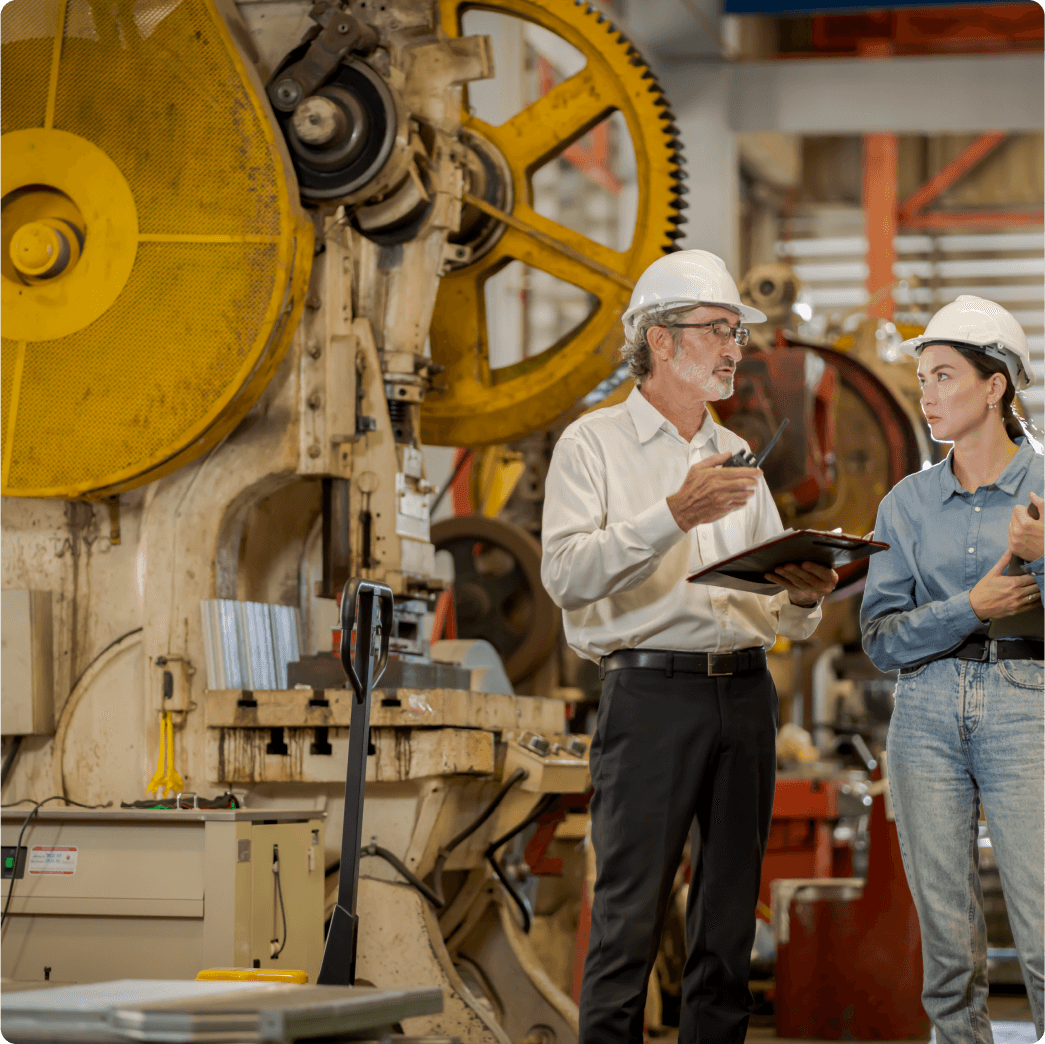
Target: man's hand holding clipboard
[[798, 561]]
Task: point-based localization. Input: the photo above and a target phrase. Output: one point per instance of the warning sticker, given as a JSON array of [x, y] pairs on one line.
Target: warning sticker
[[52, 860]]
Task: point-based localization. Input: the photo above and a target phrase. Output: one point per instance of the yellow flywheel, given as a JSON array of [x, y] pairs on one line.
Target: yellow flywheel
[[153, 257], [480, 405]]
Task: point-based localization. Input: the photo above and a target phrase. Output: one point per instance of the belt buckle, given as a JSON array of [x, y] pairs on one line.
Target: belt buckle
[[712, 657], [984, 657]]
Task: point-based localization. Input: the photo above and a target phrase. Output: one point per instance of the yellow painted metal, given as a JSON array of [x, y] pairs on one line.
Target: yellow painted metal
[[36, 247], [142, 126], [480, 406], [73, 167], [495, 474], [28, 207], [289, 975]]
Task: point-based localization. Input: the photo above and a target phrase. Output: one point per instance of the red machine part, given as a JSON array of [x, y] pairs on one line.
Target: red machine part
[[770, 386], [851, 969], [989, 28], [801, 835], [535, 854]]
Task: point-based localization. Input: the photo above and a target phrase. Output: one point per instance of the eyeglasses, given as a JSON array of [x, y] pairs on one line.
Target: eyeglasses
[[720, 329]]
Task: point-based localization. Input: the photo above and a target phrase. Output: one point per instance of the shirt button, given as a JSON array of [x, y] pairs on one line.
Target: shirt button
[[976, 509], [972, 550]]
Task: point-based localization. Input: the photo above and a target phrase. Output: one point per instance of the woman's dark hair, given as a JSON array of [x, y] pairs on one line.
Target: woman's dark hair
[[986, 366]]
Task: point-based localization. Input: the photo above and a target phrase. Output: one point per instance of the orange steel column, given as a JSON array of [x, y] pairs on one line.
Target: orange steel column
[[881, 202]]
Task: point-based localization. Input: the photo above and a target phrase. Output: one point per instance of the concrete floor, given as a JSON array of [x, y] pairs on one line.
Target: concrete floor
[[1003, 1008]]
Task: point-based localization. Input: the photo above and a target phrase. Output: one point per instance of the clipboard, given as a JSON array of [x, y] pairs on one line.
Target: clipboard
[[744, 571]]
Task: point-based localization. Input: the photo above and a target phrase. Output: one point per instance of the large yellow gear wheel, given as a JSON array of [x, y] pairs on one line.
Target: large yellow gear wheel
[[153, 258], [480, 406]]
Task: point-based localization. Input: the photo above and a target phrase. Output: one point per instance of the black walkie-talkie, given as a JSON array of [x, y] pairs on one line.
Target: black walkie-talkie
[[747, 459]]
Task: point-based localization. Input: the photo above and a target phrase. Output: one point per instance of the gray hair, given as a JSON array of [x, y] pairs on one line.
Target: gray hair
[[636, 350]]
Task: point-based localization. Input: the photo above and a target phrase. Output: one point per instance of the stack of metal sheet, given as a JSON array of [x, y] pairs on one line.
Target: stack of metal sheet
[[173, 1012], [248, 644]]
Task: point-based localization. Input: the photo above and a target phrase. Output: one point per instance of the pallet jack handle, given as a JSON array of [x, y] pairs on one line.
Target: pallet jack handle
[[366, 607]]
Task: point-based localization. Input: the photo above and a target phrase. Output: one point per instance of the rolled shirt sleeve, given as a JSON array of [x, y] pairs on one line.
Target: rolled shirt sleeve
[[896, 631], [582, 561]]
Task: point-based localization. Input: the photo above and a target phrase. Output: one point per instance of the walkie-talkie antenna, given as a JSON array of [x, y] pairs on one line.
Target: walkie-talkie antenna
[[772, 442], [746, 459]]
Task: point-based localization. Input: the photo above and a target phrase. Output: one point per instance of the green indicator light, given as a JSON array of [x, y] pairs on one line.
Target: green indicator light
[[9, 861]]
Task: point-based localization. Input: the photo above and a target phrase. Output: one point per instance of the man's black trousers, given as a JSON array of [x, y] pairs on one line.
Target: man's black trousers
[[670, 754]]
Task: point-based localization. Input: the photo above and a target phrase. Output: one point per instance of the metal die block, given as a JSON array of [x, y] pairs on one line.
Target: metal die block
[[395, 707], [554, 773], [240, 755]]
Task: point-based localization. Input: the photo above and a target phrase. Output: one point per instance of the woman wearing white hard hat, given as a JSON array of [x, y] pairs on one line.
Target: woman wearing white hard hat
[[967, 726]]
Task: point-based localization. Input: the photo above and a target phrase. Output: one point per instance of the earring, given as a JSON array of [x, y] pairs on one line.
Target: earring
[[992, 405]]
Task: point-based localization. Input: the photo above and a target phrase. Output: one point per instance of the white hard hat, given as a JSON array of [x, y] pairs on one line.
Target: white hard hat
[[973, 322], [693, 277]]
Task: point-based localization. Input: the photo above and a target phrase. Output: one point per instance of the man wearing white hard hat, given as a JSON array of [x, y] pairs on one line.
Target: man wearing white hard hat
[[946, 607], [636, 500]]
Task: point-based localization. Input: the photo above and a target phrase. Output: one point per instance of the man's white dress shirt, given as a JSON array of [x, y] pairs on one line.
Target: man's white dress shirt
[[616, 561]]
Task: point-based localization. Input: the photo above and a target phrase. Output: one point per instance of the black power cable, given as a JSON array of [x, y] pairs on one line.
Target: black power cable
[[491, 854], [444, 853], [390, 857], [435, 894], [282, 909], [9, 758], [374, 849], [21, 833]]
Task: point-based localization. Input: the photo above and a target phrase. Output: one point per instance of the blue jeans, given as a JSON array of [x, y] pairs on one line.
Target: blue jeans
[[961, 733]]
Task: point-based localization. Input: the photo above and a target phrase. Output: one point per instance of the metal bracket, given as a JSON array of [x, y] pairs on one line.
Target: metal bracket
[[341, 33]]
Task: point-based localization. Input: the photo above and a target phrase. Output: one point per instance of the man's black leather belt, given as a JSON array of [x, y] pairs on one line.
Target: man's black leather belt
[[978, 647], [671, 663]]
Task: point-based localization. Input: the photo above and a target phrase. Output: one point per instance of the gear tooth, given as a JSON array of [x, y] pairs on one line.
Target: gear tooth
[[676, 233], [680, 175], [678, 159], [680, 204], [673, 130], [680, 190]]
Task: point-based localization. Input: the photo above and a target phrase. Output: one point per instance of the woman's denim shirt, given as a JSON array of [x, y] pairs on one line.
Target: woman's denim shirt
[[942, 540]]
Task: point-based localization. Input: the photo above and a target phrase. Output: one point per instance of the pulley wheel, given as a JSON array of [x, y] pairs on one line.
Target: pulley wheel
[[475, 404], [498, 595]]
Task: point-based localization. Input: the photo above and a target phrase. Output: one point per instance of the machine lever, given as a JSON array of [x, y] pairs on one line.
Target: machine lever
[[367, 607]]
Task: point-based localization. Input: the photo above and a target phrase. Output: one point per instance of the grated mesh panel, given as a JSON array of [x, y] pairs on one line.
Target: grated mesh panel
[[8, 351], [26, 43], [134, 382], [149, 13], [79, 21], [153, 86]]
